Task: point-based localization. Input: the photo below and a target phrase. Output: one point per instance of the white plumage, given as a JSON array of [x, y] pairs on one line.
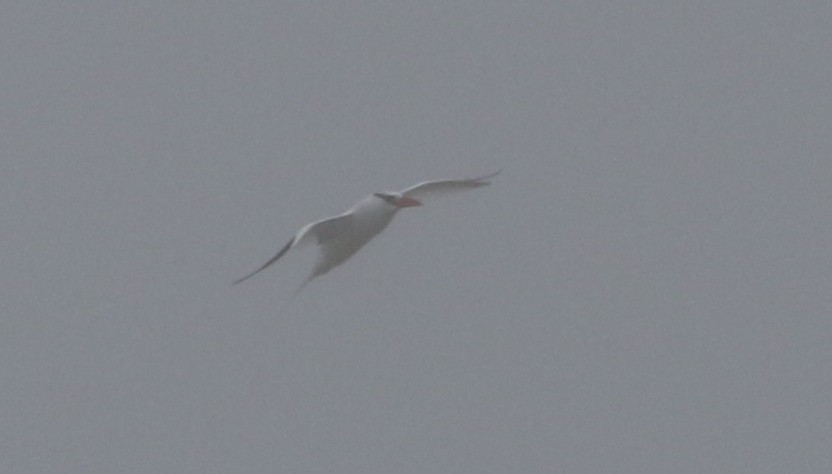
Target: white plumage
[[340, 237]]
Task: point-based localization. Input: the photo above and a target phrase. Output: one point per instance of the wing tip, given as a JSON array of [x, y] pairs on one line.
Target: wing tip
[[488, 176], [267, 264]]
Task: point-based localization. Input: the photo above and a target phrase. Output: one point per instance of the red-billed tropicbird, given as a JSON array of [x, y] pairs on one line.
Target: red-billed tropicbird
[[340, 237]]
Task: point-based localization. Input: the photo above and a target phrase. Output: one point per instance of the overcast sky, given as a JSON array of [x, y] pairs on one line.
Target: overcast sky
[[646, 288]]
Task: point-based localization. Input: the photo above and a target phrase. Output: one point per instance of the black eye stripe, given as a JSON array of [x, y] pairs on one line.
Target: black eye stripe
[[386, 197]]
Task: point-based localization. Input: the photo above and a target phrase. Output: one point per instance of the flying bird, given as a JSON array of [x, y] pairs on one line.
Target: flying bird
[[340, 237]]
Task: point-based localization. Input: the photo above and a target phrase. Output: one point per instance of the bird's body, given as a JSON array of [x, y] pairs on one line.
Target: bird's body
[[340, 237], [357, 226]]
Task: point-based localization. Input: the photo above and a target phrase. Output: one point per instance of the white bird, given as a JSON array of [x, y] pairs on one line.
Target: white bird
[[340, 237]]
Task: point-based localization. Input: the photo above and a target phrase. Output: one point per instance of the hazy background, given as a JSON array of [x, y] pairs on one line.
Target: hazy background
[[647, 288]]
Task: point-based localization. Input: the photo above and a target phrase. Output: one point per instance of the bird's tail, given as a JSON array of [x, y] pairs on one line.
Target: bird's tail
[[300, 288]]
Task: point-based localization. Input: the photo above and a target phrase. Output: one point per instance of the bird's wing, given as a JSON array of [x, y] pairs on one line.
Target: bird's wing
[[441, 187], [320, 231]]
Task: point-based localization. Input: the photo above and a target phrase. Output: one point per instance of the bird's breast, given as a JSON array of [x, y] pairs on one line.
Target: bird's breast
[[371, 216]]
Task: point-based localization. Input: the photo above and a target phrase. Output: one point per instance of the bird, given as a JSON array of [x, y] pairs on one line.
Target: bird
[[341, 236]]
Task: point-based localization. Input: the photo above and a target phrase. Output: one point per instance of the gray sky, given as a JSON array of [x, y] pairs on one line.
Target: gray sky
[[645, 288]]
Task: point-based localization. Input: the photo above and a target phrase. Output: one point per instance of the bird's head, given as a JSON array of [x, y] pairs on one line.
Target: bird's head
[[398, 200]]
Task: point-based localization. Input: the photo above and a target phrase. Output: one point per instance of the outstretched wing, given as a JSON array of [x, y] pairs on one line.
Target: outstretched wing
[[430, 189], [320, 231]]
